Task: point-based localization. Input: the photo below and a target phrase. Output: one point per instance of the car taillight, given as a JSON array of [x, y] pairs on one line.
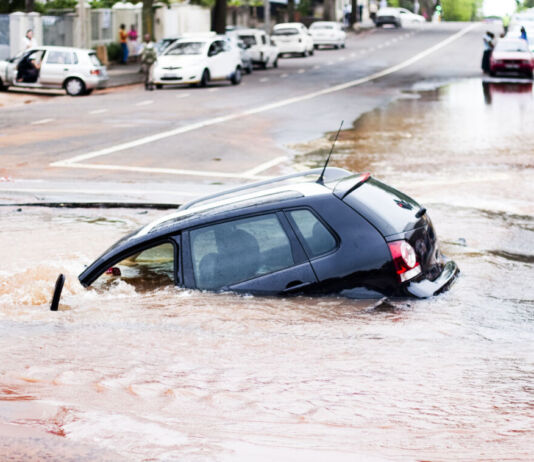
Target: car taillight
[[404, 259], [95, 71]]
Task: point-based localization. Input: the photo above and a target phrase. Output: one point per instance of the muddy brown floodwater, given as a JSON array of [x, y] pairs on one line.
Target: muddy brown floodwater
[[168, 374]]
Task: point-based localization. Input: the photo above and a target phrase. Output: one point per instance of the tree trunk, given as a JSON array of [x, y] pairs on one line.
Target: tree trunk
[[30, 5], [148, 18], [329, 13], [218, 23], [290, 10]]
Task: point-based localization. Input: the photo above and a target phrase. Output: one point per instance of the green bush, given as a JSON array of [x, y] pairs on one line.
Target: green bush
[[114, 52]]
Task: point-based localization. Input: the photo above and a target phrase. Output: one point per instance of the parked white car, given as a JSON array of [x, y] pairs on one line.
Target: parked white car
[[198, 60], [327, 33], [260, 47], [76, 70], [397, 17], [293, 38]]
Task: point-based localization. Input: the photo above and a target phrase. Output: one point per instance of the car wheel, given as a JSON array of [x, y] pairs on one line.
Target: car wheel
[[311, 52], [304, 54], [336, 47], [316, 47], [205, 78], [236, 78], [2, 86], [74, 87], [275, 62], [263, 64], [343, 45], [159, 86], [248, 70]]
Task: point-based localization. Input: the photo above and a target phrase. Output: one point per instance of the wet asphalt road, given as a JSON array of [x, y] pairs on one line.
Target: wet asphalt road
[[183, 141]]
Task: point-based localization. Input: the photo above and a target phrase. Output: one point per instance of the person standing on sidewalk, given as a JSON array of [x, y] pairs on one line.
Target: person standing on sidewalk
[[29, 41], [489, 45], [123, 39], [148, 58]]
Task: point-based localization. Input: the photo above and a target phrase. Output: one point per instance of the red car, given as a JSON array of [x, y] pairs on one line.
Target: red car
[[512, 55]]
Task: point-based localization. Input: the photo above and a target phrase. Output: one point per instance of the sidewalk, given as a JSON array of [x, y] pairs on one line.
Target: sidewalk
[[127, 74]]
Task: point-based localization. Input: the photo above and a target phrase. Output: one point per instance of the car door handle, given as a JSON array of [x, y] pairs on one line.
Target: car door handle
[[296, 285]]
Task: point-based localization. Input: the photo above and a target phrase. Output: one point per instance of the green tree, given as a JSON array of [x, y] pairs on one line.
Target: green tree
[[460, 10]]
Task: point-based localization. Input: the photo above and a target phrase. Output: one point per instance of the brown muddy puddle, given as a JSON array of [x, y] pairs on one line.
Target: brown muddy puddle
[[167, 374]]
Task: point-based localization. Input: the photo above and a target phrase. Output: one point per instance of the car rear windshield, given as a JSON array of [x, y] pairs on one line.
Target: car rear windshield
[[186, 48], [287, 31], [321, 26], [391, 211], [94, 59], [248, 40], [512, 45]]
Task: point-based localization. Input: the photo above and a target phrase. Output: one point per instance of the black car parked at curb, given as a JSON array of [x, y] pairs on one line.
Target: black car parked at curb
[[299, 234]]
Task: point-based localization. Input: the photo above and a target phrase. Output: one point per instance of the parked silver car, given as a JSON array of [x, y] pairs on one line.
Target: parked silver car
[[76, 70]]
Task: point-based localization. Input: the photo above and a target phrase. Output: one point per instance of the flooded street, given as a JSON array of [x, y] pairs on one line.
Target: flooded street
[[168, 374]]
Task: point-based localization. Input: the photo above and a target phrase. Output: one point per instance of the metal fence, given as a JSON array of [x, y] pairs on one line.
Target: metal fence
[[4, 36]]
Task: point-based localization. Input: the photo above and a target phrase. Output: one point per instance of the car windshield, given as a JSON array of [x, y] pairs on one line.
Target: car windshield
[[512, 45], [163, 44], [286, 31], [321, 26], [94, 59], [249, 40], [186, 48]]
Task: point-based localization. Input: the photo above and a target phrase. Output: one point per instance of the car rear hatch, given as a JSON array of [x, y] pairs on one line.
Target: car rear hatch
[[397, 217]]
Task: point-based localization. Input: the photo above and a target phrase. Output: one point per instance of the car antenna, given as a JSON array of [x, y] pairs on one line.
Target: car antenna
[[320, 180]]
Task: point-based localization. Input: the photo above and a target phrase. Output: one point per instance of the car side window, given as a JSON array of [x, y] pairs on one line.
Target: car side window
[[149, 269], [230, 252], [59, 57], [318, 240], [264, 40]]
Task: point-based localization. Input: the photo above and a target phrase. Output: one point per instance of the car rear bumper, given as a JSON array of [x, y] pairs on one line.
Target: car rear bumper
[[511, 67], [291, 47], [326, 41], [427, 288]]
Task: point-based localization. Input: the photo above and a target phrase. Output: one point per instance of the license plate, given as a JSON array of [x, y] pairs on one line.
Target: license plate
[[512, 66], [170, 76]]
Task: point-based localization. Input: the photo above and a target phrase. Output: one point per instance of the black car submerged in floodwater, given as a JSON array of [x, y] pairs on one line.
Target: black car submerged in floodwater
[[299, 234]]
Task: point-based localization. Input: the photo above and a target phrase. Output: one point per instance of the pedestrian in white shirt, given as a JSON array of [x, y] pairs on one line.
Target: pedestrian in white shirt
[[29, 41]]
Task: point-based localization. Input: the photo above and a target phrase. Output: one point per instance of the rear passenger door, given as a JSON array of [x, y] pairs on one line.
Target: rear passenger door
[[256, 254], [56, 67]]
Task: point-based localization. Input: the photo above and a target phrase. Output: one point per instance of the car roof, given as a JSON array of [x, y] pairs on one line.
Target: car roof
[[249, 31], [288, 24], [59, 48]]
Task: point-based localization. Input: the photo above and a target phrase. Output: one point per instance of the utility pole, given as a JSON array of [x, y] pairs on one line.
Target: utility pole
[[267, 16], [81, 18]]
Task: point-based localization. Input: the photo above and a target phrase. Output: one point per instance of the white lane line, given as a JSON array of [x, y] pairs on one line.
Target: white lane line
[[264, 79], [145, 103], [183, 95], [266, 107], [42, 121], [301, 71], [170, 171], [95, 191], [283, 76], [98, 111], [265, 166]]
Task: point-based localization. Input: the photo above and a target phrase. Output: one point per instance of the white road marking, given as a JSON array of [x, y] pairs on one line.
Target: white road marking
[[183, 95], [170, 171], [42, 121], [211, 90], [283, 76], [264, 79], [72, 162], [265, 166], [301, 71], [98, 111], [95, 191], [145, 103]]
